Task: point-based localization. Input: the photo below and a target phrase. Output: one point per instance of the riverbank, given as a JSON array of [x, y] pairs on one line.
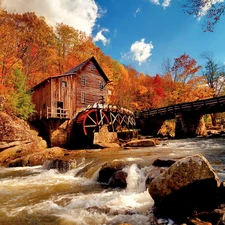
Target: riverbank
[[20, 144]]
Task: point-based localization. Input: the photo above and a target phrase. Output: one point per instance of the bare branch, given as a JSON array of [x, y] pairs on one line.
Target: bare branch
[[210, 10]]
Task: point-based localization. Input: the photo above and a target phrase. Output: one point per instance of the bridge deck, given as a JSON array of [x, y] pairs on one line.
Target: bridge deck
[[206, 106]]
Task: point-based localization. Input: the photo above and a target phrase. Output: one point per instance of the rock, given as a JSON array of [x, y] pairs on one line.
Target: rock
[[144, 137], [197, 221], [108, 145], [118, 179], [217, 216], [159, 166], [37, 158], [190, 184], [163, 162], [221, 193], [127, 148], [107, 171], [141, 143], [157, 141], [61, 165], [201, 129], [106, 139], [96, 209], [125, 224], [17, 139], [167, 129], [153, 173]]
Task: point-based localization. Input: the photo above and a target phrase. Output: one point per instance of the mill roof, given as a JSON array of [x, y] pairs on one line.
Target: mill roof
[[77, 69]]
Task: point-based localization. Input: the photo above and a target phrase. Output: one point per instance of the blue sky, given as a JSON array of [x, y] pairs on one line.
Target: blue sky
[[140, 33]]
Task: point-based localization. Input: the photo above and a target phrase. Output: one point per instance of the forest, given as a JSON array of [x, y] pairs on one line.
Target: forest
[[31, 51]]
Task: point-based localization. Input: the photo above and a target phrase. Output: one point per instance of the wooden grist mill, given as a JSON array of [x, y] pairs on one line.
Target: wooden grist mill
[[66, 108]]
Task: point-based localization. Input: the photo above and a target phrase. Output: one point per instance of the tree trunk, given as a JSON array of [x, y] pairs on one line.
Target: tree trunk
[[213, 118], [201, 129]]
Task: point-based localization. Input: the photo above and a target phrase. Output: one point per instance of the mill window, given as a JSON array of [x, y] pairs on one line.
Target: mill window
[[83, 97], [64, 84], [83, 80], [101, 85], [92, 67]]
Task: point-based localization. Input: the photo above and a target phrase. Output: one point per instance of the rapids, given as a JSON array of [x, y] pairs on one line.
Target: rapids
[[34, 195]]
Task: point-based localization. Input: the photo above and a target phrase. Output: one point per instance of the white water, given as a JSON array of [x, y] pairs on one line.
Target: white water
[[34, 195], [66, 207]]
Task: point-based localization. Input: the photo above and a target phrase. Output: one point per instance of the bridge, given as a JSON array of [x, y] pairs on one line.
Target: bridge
[[187, 115]]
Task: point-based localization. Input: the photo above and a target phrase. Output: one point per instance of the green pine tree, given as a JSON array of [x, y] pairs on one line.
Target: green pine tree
[[24, 108]]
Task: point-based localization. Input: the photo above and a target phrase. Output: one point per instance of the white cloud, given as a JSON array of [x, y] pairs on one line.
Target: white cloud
[[138, 10], [100, 37], [206, 7], [141, 51], [166, 3], [80, 14], [155, 2]]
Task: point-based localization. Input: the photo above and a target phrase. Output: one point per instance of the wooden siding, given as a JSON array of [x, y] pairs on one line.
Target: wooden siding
[[41, 97], [65, 94], [92, 87], [53, 92]]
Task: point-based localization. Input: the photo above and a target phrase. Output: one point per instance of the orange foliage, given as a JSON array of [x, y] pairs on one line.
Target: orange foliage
[[29, 43]]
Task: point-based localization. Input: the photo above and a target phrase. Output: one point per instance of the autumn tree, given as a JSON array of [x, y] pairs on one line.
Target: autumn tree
[[8, 46], [213, 73], [211, 10], [66, 46], [121, 86], [36, 40], [27, 43], [183, 83], [141, 92], [215, 77], [158, 95], [184, 68], [37, 51], [18, 98], [166, 66]]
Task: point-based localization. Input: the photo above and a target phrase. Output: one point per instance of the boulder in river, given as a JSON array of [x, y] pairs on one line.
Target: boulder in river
[[118, 179], [159, 166], [216, 216], [38, 158], [108, 171], [61, 165], [141, 143], [190, 185], [163, 162], [106, 139]]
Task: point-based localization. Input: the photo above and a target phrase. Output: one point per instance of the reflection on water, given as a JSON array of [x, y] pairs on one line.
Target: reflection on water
[[34, 195]]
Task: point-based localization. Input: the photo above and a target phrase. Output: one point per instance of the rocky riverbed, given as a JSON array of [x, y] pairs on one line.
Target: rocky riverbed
[[184, 186]]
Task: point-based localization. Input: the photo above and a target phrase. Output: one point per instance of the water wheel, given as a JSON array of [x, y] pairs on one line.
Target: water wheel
[[91, 120]]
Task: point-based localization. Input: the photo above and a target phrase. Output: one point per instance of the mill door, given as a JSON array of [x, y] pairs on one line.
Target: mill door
[[59, 109]]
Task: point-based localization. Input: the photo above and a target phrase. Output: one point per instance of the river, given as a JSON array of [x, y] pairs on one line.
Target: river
[[36, 196]]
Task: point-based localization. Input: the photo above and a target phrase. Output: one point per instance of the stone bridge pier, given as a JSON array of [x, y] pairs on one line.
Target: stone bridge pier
[[187, 124]]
